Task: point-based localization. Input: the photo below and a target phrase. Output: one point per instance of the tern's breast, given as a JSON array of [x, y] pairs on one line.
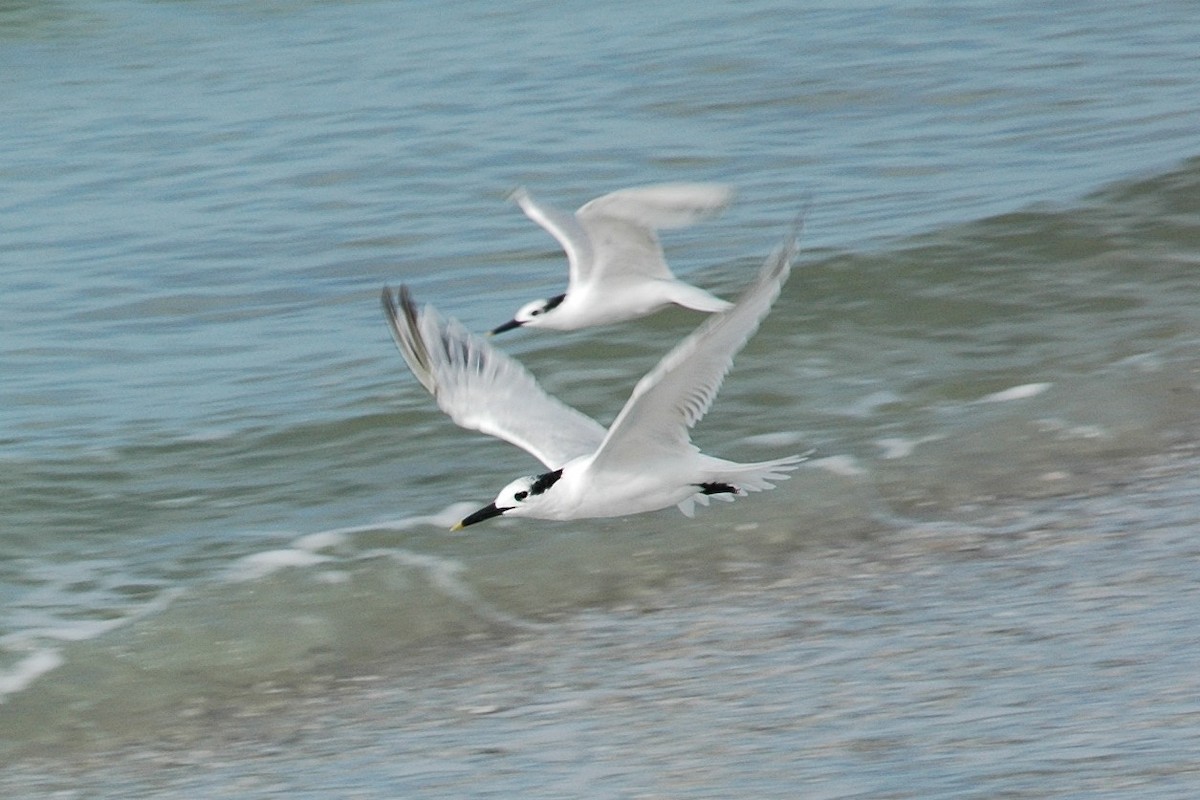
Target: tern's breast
[[614, 494]]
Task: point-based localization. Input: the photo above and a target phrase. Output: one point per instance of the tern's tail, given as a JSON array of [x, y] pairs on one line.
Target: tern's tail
[[729, 479], [695, 298]]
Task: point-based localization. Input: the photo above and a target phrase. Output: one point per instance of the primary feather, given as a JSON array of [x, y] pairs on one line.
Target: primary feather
[[678, 392], [482, 389]]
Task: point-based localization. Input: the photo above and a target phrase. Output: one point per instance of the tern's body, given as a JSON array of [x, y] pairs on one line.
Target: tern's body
[[594, 304], [644, 461], [617, 268], [584, 491]]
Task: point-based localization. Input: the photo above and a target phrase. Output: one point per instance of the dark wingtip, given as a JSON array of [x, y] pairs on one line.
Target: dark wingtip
[[408, 305], [406, 334], [387, 298]]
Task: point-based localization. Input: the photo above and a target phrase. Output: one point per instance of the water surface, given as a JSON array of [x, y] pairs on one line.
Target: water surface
[[223, 490]]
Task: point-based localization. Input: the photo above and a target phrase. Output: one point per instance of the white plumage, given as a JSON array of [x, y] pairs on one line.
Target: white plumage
[[617, 270], [644, 461]]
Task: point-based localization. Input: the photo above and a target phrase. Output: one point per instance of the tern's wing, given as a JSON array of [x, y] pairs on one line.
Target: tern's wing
[[564, 227], [673, 396], [484, 390], [621, 226]]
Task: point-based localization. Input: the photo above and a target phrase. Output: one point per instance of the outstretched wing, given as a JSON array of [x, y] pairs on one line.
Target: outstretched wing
[[565, 228], [484, 390], [678, 392], [622, 226]]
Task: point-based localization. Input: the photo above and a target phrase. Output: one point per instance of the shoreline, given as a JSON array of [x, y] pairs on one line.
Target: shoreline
[[878, 665]]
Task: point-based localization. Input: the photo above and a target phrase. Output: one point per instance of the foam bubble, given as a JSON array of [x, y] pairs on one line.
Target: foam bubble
[[260, 565], [28, 670], [324, 540], [777, 439], [1022, 392], [868, 405], [846, 466], [441, 519], [898, 447]]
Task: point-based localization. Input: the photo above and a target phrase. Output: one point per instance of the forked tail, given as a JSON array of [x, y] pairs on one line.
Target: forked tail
[[729, 480], [695, 298]]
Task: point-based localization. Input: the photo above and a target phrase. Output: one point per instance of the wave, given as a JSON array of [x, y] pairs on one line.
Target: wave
[[987, 363]]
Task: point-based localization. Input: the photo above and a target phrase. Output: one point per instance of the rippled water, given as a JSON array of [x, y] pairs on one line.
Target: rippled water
[[219, 475]]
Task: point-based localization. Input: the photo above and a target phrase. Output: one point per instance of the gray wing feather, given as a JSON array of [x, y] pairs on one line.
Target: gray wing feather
[[484, 390], [678, 392], [622, 226], [613, 236], [660, 206], [566, 230]]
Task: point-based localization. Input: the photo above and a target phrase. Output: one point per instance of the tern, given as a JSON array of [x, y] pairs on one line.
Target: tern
[[644, 461], [617, 269]]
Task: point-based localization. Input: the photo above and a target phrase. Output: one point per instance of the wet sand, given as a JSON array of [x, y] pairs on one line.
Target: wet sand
[[1048, 650]]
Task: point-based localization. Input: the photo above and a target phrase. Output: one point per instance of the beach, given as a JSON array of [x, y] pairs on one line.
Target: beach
[[1050, 658], [226, 564]]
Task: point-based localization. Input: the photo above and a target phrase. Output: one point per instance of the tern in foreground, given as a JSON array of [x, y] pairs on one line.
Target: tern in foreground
[[644, 461], [617, 268]]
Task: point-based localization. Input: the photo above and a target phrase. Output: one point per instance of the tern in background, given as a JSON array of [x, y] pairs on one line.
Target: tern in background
[[644, 461], [617, 269]]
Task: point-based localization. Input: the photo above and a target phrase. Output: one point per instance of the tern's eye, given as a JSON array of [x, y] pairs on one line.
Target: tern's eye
[[535, 312], [519, 496]]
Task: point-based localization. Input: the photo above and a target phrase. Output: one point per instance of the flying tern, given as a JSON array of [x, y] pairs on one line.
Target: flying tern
[[617, 269], [644, 461]]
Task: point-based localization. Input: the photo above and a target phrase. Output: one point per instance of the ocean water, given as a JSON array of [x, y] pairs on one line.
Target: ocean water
[[222, 489]]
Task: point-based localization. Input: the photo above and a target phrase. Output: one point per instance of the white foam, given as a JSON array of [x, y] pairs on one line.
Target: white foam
[[846, 466], [1022, 392], [28, 670], [1143, 362], [1063, 430], [45, 659], [260, 565], [869, 404], [182, 501], [82, 630], [305, 551], [898, 447], [778, 439], [441, 519], [325, 540]]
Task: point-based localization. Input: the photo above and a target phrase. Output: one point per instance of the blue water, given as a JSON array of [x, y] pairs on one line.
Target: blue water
[[219, 475]]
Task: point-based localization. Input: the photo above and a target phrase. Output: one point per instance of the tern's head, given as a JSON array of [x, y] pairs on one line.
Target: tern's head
[[532, 314], [522, 497]]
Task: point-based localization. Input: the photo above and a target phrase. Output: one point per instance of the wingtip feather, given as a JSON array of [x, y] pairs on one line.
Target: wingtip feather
[[403, 319]]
